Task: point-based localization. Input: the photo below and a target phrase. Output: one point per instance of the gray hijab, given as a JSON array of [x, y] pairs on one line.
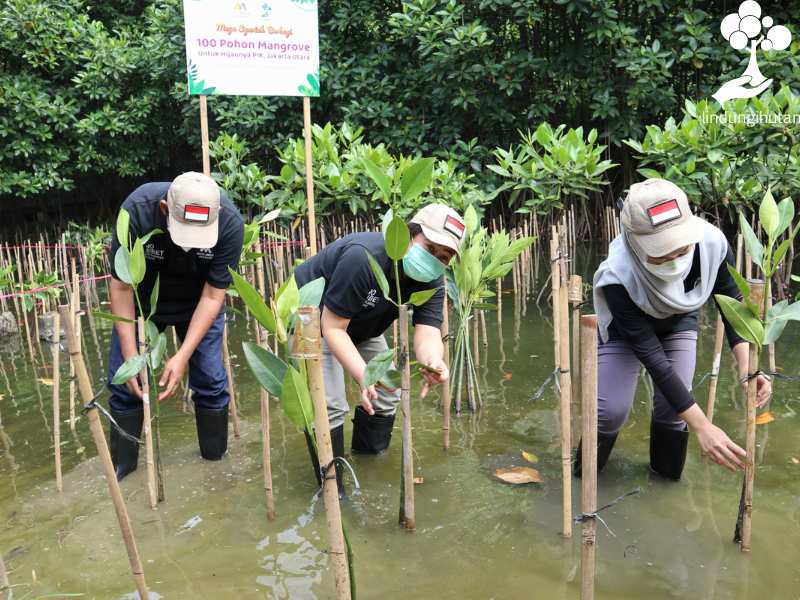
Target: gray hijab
[[654, 296]]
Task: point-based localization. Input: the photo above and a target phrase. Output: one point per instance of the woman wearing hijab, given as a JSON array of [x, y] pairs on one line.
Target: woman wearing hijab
[[660, 271]]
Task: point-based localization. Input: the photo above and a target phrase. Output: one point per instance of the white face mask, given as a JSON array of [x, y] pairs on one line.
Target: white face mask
[[673, 270]]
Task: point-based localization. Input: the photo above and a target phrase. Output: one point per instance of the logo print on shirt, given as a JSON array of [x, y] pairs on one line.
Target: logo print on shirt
[[153, 253], [205, 254], [372, 299]]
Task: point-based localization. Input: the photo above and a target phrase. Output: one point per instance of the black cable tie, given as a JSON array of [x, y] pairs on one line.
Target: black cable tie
[[542, 388], [93, 404], [563, 371], [596, 514]]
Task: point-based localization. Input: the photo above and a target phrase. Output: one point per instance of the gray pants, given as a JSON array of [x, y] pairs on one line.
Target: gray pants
[[618, 373], [335, 395]]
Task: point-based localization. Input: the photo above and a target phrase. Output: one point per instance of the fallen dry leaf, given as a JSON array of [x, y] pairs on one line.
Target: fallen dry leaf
[[507, 376], [518, 475], [796, 461], [530, 457], [764, 418], [45, 381], [419, 480]]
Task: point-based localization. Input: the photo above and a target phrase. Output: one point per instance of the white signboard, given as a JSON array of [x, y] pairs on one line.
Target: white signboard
[[252, 47]]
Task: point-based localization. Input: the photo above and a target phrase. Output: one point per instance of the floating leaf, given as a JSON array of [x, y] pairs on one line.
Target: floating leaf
[[530, 457], [518, 475], [764, 418], [418, 480], [45, 381], [507, 376], [795, 461]]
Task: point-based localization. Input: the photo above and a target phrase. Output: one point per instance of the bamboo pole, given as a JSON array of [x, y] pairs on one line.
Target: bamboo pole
[[576, 299], [204, 134], [147, 431], [555, 282], [312, 225], [565, 410], [266, 458], [746, 506], [589, 453], [96, 427], [56, 347], [312, 351], [75, 306], [226, 356], [407, 516], [446, 395]]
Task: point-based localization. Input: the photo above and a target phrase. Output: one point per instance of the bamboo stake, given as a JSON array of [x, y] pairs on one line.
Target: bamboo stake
[[589, 453], [266, 458], [407, 516], [499, 303], [555, 282], [75, 305], [226, 356], [312, 225], [312, 351], [204, 134], [746, 506], [576, 299], [565, 410], [446, 395], [56, 347], [96, 427], [146, 422]]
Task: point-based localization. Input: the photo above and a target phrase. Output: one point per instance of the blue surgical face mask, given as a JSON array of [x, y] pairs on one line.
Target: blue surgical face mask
[[421, 265]]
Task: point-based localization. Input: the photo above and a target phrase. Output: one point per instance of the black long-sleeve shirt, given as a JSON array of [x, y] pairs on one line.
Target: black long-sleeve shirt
[[644, 332]]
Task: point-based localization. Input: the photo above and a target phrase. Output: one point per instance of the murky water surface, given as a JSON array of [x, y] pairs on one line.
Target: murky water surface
[[476, 537]]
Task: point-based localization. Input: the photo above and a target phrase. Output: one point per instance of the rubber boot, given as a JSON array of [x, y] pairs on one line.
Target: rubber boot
[[212, 431], [605, 443], [337, 441], [371, 433], [668, 450], [124, 452]]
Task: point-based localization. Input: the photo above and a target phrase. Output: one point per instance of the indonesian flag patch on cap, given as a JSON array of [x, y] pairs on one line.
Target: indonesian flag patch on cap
[[454, 226], [196, 213], [664, 212]]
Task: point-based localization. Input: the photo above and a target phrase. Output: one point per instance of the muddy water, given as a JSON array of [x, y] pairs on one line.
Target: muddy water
[[476, 537]]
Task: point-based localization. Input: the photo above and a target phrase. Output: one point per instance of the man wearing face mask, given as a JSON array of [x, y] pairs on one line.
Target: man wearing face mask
[[203, 233], [355, 316], [660, 271]]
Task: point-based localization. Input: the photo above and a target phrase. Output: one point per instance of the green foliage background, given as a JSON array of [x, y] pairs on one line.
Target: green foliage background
[[93, 96]]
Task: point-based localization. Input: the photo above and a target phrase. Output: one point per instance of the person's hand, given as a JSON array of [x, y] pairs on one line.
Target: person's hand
[[368, 394], [716, 444], [172, 375], [764, 386], [134, 387], [434, 373]]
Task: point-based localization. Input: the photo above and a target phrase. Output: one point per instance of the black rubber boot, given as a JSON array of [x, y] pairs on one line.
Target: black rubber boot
[[371, 433], [668, 450], [337, 441], [212, 431], [124, 452], [605, 443]]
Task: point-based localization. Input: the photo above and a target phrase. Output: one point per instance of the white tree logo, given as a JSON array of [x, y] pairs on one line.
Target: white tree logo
[[741, 28]]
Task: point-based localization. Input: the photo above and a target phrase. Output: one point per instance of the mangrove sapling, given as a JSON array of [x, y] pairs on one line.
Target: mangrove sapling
[[759, 324], [484, 259], [130, 266]]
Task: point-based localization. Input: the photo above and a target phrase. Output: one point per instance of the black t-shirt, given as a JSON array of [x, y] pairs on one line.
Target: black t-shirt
[[352, 292], [644, 332], [183, 274]]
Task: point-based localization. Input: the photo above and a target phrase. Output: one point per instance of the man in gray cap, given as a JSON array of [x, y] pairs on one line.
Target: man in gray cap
[[204, 233], [355, 316], [660, 271]]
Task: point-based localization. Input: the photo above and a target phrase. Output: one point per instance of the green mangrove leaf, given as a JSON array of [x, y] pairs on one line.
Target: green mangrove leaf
[[784, 311], [311, 293], [154, 296], [387, 218], [129, 369], [484, 306], [754, 247], [768, 215], [471, 220], [147, 236], [158, 351], [741, 319], [397, 238], [380, 178], [780, 254], [254, 301], [287, 299], [773, 330], [122, 260], [123, 225], [744, 287], [110, 316], [393, 379], [150, 333], [378, 367], [786, 212], [137, 263], [380, 276], [421, 297], [269, 370], [416, 179], [296, 399]]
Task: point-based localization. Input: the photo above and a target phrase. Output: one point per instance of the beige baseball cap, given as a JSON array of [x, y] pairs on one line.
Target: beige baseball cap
[[442, 225], [193, 201], [657, 215]]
